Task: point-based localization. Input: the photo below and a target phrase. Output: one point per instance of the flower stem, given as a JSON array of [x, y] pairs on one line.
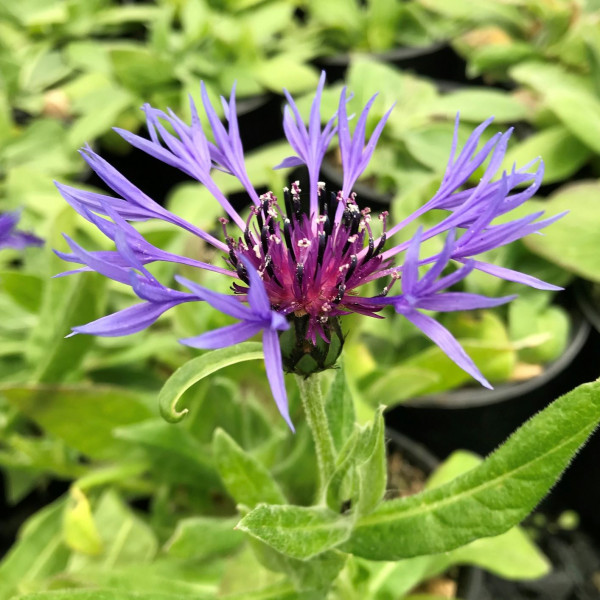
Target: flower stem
[[313, 403]]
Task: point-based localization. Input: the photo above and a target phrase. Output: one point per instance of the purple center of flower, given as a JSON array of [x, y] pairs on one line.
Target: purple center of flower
[[309, 265]]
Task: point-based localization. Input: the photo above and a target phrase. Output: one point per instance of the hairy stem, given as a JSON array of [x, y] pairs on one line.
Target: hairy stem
[[313, 403]]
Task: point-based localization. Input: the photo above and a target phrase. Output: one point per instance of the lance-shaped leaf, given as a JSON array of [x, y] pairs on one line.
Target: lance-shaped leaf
[[489, 499], [297, 531], [360, 478], [246, 479]]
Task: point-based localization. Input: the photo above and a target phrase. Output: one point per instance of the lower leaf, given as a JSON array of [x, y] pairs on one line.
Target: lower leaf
[[489, 499]]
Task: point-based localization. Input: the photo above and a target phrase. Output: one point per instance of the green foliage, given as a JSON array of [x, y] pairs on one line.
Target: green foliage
[[245, 478], [570, 242], [489, 499]]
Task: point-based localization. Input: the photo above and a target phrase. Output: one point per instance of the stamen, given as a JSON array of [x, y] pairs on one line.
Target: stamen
[[353, 263], [287, 198], [242, 273], [248, 238], [380, 245], [341, 291], [288, 238], [322, 245], [270, 270], [299, 273], [264, 238], [224, 223], [370, 251]]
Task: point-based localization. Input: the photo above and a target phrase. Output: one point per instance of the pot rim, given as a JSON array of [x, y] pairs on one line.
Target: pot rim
[[394, 54], [477, 397]]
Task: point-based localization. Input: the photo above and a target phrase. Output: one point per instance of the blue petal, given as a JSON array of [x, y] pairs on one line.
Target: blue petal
[[445, 340], [125, 322], [224, 336], [274, 368]]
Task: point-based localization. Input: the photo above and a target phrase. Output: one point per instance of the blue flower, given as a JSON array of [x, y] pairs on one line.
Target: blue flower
[[11, 237], [288, 266]]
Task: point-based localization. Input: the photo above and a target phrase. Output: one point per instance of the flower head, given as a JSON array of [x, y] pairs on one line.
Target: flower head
[[10, 237], [296, 273]]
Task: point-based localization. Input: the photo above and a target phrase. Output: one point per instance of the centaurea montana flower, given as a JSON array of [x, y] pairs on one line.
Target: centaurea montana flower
[[299, 270], [11, 237]]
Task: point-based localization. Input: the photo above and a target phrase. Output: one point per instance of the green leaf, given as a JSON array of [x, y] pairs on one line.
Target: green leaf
[[512, 555], [24, 288], [339, 408], [38, 553], [315, 574], [80, 531], [297, 531], [579, 113], [67, 302], [550, 325], [106, 594], [372, 469], [563, 154], [246, 480], [177, 457], [139, 69], [126, 539], [572, 242], [203, 537], [360, 478], [96, 411], [283, 71], [477, 104], [281, 591], [489, 499], [198, 368]]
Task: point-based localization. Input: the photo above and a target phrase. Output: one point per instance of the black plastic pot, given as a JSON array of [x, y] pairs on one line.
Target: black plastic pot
[[437, 60], [478, 419], [470, 579], [575, 559], [588, 299]]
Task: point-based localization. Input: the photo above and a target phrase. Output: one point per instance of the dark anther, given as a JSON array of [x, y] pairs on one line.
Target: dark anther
[[299, 273], [340, 294], [322, 245], [233, 257], [332, 207], [370, 250], [288, 203], [288, 238], [352, 267], [242, 273], [346, 218], [327, 225], [322, 195], [297, 207], [264, 239], [380, 245], [355, 222], [259, 220], [248, 238], [270, 270]]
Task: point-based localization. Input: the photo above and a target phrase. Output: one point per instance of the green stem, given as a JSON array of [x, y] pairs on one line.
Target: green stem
[[316, 417]]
